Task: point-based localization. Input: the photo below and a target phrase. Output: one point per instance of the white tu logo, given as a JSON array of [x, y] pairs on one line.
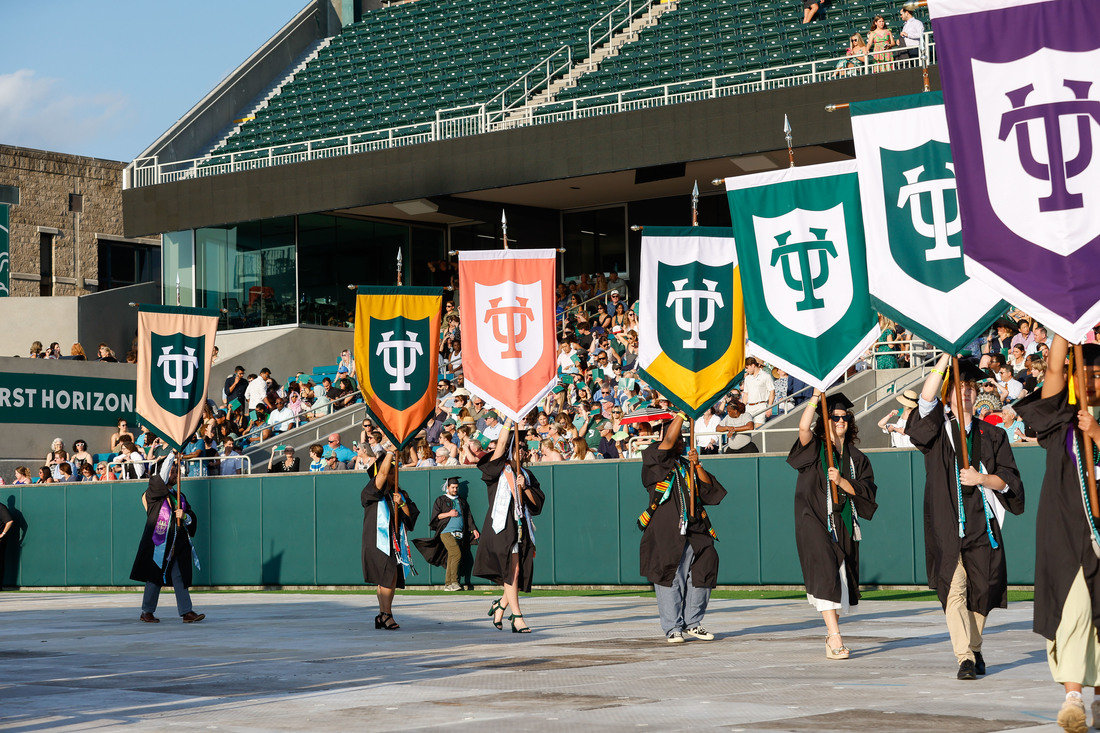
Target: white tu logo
[[396, 362], [694, 323], [939, 229], [179, 370]]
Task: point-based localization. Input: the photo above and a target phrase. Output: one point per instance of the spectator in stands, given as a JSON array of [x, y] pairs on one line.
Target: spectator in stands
[[615, 285], [231, 463], [65, 473], [1007, 387], [348, 362], [36, 350], [1017, 361], [706, 432], [133, 462], [22, 475], [911, 33], [471, 452], [102, 473], [737, 425], [332, 463], [255, 392], [124, 435], [106, 354], [282, 418], [236, 386], [87, 473], [288, 464], [443, 457], [809, 9], [57, 461], [316, 458], [334, 447], [1001, 343], [346, 392], [45, 475], [54, 352], [886, 356], [57, 444], [618, 317], [77, 353], [581, 451], [856, 55], [879, 40], [364, 457], [759, 390], [893, 423], [1011, 424], [80, 454], [1023, 336]]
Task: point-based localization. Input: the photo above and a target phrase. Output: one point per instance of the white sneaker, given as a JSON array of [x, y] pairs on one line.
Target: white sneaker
[[675, 638], [698, 632], [452, 587], [1072, 716]]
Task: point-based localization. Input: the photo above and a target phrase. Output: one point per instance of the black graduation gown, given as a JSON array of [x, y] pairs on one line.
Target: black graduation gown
[[662, 545], [432, 548], [495, 549], [986, 571], [1063, 538], [819, 555], [379, 568], [145, 570]]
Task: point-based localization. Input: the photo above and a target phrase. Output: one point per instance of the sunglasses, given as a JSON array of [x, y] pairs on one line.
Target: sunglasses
[[838, 418]]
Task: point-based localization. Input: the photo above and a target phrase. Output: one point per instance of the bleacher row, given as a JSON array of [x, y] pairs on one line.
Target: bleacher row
[[400, 64]]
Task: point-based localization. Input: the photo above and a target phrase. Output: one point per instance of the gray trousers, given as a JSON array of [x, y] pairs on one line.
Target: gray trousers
[[152, 593], [682, 605]]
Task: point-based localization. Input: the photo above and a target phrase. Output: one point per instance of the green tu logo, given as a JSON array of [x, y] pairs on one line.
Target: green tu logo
[[805, 281], [176, 377], [694, 317], [399, 374], [922, 214]]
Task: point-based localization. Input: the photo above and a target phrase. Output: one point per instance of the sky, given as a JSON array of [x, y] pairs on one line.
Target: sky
[[106, 79]]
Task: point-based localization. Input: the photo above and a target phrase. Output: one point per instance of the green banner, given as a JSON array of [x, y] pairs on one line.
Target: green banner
[[5, 253], [47, 399]]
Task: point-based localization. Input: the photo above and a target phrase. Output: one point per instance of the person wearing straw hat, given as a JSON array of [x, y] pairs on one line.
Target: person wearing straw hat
[[677, 552], [964, 506], [893, 422], [827, 535], [1067, 540], [165, 553]]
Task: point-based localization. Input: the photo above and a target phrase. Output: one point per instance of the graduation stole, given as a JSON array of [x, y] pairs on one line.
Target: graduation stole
[[848, 513], [504, 500], [1073, 447], [676, 478], [160, 536], [397, 541], [973, 451]]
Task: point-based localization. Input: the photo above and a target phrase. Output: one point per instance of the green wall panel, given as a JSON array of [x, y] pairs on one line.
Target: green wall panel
[[12, 497], [306, 528]]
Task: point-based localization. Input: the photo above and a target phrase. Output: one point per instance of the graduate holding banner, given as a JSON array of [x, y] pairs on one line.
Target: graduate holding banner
[[397, 340], [177, 345], [690, 347], [1021, 87], [509, 361], [800, 244]]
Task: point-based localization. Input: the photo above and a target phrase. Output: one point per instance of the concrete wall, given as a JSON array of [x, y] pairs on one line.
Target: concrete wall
[[306, 529], [38, 319], [284, 350]]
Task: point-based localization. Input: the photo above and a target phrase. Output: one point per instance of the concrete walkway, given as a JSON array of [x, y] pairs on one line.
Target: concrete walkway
[[313, 662]]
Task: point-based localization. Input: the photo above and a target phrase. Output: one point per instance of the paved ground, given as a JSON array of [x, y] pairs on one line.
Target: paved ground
[[309, 662]]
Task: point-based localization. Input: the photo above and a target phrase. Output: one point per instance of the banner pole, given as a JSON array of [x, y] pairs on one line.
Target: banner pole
[[959, 417], [691, 473], [179, 489], [829, 446], [1082, 395]]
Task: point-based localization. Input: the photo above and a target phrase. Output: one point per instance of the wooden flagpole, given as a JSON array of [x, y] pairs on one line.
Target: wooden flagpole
[[179, 487], [516, 493], [959, 402], [1082, 395], [829, 446], [692, 478]]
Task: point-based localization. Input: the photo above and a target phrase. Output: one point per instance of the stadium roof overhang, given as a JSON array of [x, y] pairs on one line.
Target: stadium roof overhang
[[595, 161]]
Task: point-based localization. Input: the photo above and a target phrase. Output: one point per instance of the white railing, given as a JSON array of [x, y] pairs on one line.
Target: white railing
[[148, 171], [607, 26]]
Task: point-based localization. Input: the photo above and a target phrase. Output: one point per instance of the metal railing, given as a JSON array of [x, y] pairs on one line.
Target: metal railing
[[632, 8], [149, 171]]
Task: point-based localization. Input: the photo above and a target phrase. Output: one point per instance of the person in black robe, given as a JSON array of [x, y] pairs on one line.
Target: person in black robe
[[1067, 545], [388, 516], [164, 554], [827, 534], [506, 551], [677, 552], [967, 572], [454, 530]]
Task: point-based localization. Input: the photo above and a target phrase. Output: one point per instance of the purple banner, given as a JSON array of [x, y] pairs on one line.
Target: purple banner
[[1021, 88]]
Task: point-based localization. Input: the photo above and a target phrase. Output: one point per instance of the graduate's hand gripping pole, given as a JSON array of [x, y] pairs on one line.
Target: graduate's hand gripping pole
[[959, 417], [829, 447], [692, 478], [1082, 396]]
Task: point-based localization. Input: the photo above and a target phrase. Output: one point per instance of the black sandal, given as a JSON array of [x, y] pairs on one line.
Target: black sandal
[[493, 614], [385, 621], [515, 629]]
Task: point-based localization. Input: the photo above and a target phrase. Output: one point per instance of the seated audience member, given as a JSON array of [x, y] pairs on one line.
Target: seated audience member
[[57, 460], [106, 354], [132, 461], [809, 9], [80, 454], [124, 435], [1007, 387], [335, 447], [103, 473], [55, 445], [76, 353], [65, 473], [231, 463], [36, 350], [282, 417], [288, 463], [332, 463], [22, 475], [45, 475], [316, 458], [87, 472]]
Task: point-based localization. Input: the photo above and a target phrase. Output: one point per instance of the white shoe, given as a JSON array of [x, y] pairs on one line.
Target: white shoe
[[1072, 716], [698, 632], [675, 637], [452, 587]]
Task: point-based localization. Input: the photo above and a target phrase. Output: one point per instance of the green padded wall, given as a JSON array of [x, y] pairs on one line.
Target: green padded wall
[[306, 529]]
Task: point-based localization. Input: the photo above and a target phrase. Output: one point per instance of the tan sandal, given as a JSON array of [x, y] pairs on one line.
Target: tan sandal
[[840, 652]]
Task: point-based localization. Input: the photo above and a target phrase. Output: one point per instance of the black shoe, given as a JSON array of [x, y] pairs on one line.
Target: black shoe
[[979, 663], [966, 670]]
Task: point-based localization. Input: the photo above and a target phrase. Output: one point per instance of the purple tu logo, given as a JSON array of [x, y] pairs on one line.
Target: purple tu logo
[[1057, 170]]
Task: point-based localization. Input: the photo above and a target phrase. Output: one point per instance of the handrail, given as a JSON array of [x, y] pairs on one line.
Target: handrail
[[529, 92], [613, 27], [148, 171]]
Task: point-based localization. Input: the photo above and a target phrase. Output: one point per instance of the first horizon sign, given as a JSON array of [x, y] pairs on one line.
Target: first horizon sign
[[48, 399]]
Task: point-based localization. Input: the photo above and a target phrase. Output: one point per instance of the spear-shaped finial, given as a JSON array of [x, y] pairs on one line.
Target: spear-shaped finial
[[504, 226], [695, 204], [399, 266], [787, 134]]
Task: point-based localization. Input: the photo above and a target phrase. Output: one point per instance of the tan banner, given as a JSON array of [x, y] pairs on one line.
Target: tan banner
[[175, 348]]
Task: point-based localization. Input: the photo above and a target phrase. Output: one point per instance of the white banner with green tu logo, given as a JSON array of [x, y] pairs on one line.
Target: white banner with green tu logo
[[803, 263], [911, 216]]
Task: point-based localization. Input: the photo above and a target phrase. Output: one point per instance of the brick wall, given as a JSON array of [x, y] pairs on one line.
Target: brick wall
[[45, 181]]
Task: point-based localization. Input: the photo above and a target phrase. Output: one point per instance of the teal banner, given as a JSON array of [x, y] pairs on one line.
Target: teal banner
[[45, 399], [5, 253]]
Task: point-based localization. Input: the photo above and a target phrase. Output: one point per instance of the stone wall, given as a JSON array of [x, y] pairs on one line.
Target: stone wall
[[45, 180]]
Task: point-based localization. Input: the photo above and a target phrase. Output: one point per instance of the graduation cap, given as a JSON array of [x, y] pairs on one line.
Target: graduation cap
[[1091, 354], [838, 401], [969, 371]]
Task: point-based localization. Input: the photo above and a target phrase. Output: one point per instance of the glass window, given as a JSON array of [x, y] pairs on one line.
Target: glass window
[[594, 241], [178, 252], [249, 270], [336, 252], [129, 263]]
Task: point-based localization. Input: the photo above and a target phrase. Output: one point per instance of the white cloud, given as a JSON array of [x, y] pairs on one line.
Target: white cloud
[[39, 112]]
